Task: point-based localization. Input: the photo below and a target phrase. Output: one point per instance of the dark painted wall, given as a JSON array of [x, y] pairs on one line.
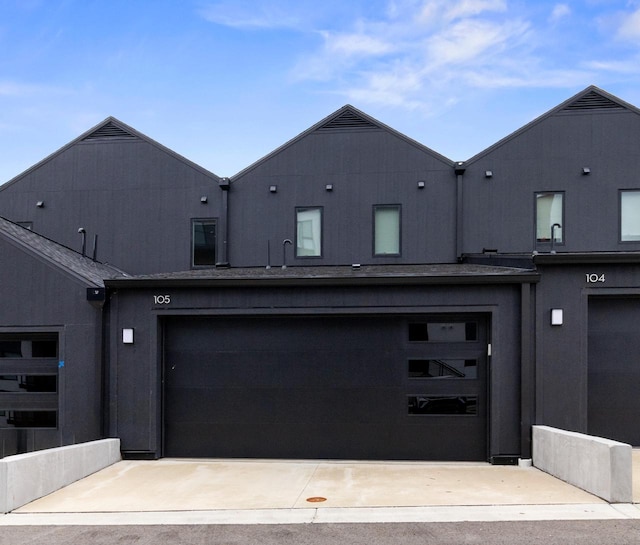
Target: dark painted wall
[[562, 351], [136, 197], [366, 168], [135, 403], [36, 296], [549, 156]]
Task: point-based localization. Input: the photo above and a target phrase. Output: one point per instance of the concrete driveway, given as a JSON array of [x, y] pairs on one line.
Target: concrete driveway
[[188, 485], [180, 491]]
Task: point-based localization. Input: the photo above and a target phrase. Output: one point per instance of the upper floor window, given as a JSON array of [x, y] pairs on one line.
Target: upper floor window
[[550, 217], [203, 242], [309, 232], [28, 345], [386, 230], [630, 216]]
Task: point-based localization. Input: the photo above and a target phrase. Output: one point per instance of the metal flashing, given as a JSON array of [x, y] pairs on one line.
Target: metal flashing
[[451, 274]]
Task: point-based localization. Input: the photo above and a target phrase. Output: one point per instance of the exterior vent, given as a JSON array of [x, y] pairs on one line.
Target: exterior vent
[[347, 120], [110, 131], [593, 101]]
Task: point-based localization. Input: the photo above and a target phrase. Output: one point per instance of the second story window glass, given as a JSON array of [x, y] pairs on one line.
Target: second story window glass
[[386, 230], [550, 217], [308, 232], [203, 241], [630, 216]]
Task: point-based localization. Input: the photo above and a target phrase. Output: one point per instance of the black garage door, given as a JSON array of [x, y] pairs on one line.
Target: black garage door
[[326, 387], [614, 369]]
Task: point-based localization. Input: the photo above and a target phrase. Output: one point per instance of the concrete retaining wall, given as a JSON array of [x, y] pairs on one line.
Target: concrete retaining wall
[[599, 466], [27, 477]]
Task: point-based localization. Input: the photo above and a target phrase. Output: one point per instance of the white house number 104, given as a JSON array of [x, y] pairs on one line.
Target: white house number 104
[[592, 278], [162, 299]]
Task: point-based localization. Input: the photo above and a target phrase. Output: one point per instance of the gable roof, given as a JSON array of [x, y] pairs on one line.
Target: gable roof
[[109, 130], [68, 261], [590, 99], [347, 118]]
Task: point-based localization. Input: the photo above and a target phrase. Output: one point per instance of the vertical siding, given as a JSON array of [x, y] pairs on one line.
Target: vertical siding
[[37, 295], [499, 211], [365, 168], [137, 198]]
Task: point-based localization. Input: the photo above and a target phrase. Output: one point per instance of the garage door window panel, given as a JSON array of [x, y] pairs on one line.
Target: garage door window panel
[[443, 368], [434, 405], [28, 380], [19, 419], [443, 332]]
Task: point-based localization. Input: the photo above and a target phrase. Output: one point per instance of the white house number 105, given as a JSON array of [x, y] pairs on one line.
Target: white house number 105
[[593, 277], [162, 299]]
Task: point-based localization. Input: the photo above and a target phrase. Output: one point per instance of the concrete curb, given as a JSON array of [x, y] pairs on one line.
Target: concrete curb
[[372, 515], [599, 466], [27, 477]]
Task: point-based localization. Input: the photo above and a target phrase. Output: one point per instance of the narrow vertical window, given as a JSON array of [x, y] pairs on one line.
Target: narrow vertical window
[[308, 232], [203, 242], [386, 230], [629, 216], [549, 217]]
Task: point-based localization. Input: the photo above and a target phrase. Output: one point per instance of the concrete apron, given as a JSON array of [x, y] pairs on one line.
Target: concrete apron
[[179, 491]]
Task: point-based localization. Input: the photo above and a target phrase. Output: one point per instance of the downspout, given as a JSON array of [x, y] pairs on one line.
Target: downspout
[[223, 229], [459, 170], [527, 371]]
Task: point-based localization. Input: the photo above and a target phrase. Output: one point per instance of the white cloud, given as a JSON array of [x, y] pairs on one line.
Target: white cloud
[[21, 90], [471, 39], [470, 8], [560, 11], [446, 11], [627, 66], [249, 15], [630, 27], [428, 54], [355, 44], [404, 62]]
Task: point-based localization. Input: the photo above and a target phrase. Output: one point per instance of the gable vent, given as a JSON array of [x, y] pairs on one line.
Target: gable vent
[[593, 101], [108, 132], [347, 120]]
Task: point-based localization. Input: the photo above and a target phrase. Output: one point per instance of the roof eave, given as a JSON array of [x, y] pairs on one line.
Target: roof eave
[[587, 258], [469, 279]]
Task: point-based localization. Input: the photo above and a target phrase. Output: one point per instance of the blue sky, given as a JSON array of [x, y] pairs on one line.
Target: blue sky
[[225, 82]]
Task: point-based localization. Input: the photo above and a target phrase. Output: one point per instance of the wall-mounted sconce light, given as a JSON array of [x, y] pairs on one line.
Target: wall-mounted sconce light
[[204, 199], [557, 316], [40, 204], [273, 188], [329, 187], [421, 184], [488, 173], [127, 335], [586, 170]]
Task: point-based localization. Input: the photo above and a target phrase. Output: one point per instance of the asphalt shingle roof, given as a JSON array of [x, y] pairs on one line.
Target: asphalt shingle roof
[[378, 274], [66, 259]]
